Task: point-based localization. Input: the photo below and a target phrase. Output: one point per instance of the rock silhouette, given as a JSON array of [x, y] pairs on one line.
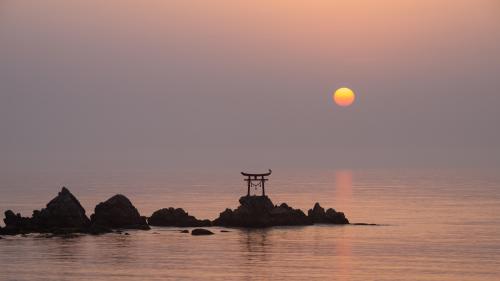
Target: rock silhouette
[[118, 212], [259, 211], [318, 215], [15, 224], [175, 217], [64, 211], [201, 231], [64, 215]]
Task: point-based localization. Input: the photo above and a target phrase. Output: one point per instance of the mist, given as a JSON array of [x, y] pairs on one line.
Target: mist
[[129, 85]]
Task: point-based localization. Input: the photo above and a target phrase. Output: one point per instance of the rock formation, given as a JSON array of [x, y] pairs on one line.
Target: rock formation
[[318, 215], [118, 212], [64, 211], [15, 224], [175, 217], [63, 214], [259, 211]]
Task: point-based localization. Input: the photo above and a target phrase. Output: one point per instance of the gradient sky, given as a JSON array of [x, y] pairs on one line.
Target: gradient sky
[[248, 84]]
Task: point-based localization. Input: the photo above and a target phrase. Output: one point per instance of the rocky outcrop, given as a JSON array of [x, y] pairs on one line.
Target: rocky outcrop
[[259, 211], [201, 231], [16, 224], [63, 214], [318, 215], [118, 212], [64, 211], [175, 217]]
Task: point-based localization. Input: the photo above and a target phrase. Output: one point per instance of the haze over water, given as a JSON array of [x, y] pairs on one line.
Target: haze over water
[[167, 102], [435, 225]]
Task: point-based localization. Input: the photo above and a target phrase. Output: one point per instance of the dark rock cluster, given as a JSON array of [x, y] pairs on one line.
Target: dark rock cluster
[[175, 217], [259, 211], [64, 215], [318, 215]]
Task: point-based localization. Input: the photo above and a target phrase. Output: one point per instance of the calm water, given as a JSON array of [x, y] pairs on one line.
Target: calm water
[[436, 225]]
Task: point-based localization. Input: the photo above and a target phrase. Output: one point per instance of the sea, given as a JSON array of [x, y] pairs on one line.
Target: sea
[[432, 224]]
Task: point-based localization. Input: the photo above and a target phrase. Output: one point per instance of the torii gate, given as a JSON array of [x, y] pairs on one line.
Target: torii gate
[[259, 178]]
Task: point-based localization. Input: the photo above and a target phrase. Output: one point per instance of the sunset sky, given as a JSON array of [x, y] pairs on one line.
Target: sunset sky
[[237, 84]]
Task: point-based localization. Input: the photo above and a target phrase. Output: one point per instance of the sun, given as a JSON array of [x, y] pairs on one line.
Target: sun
[[344, 97]]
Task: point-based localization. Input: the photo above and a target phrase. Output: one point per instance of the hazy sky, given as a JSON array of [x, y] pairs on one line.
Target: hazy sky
[[247, 84]]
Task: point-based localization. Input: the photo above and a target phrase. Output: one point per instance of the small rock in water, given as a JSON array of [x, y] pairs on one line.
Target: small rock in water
[[126, 233], [318, 215], [176, 217], [225, 231], [185, 231], [201, 231]]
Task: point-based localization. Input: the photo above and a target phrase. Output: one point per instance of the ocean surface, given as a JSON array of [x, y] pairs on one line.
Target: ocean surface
[[435, 224]]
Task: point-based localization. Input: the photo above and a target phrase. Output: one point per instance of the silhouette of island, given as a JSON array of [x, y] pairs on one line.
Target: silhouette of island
[[64, 215]]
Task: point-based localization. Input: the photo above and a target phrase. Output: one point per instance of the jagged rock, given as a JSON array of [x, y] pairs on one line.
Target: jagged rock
[[175, 217], [63, 214], [118, 212], [64, 211], [16, 224], [259, 211], [318, 215], [201, 231]]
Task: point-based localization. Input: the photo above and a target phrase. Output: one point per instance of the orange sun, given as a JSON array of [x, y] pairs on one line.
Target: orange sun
[[344, 97]]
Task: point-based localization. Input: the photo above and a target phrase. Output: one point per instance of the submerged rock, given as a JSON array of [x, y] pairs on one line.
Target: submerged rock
[[184, 231], [318, 215], [259, 211], [118, 212], [175, 217], [201, 231]]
